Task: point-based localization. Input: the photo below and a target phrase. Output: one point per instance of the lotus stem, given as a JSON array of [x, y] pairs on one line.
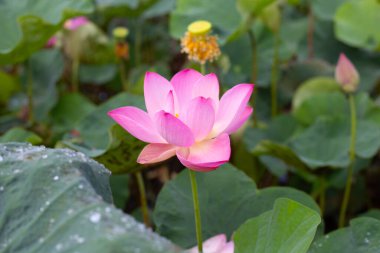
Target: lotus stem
[[347, 192], [143, 200], [203, 68], [197, 214], [30, 93], [123, 75], [274, 74], [253, 41], [75, 74]]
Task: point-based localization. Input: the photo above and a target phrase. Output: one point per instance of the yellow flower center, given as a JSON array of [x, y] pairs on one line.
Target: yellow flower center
[[200, 27], [176, 115], [120, 32]]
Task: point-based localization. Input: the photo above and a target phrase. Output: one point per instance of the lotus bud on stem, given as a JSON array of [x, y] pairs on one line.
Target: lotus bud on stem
[[121, 52], [348, 78]]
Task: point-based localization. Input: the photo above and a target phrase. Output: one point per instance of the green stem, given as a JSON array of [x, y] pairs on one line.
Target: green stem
[[143, 201], [30, 93], [75, 74], [310, 35], [347, 192], [274, 74], [123, 75], [203, 68], [197, 214], [137, 46], [254, 71], [322, 196]]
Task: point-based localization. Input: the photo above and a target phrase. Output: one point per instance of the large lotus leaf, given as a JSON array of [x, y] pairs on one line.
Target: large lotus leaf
[[27, 25], [225, 20], [98, 124], [135, 8], [122, 154], [70, 109], [8, 87], [288, 228], [362, 236], [227, 199], [20, 134], [356, 23], [322, 105], [326, 143], [372, 213], [325, 9], [55, 200], [284, 153], [254, 7], [97, 74], [43, 71], [312, 87]]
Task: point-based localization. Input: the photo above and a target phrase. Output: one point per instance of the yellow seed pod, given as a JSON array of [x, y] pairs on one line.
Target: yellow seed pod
[[200, 27], [120, 32], [198, 44]]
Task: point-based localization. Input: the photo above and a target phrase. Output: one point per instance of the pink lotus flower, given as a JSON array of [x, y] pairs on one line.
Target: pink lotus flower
[[346, 74], [216, 244], [75, 23], [186, 118]]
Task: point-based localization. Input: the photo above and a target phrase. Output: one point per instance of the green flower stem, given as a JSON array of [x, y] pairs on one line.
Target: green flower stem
[[143, 201], [347, 192], [75, 74], [123, 75], [274, 74], [29, 92], [203, 68], [138, 41], [253, 41], [197, 214], [310, 34]]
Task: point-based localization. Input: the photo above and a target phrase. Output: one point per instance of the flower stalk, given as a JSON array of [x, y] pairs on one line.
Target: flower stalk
[[143, 199], [197, 214], [347, 192], [75, 74], [30, 93], [274, 75]]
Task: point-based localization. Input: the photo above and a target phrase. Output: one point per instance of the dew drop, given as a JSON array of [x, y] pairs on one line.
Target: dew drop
[[58, 246], [1, 188], [55, 178], [95, 217]]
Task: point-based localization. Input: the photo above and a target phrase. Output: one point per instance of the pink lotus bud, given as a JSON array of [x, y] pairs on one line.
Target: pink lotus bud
[[346, 74], [216, 244], [75, 23], [51, 42]]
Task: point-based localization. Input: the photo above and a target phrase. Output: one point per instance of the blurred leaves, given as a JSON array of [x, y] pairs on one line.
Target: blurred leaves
[[227, 199], [98, 124], [19, 134], [27, 25], [9, 85], [225, 20], [59, 200], [43, 70], [289, 227], [356, 23], [362, 236]]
